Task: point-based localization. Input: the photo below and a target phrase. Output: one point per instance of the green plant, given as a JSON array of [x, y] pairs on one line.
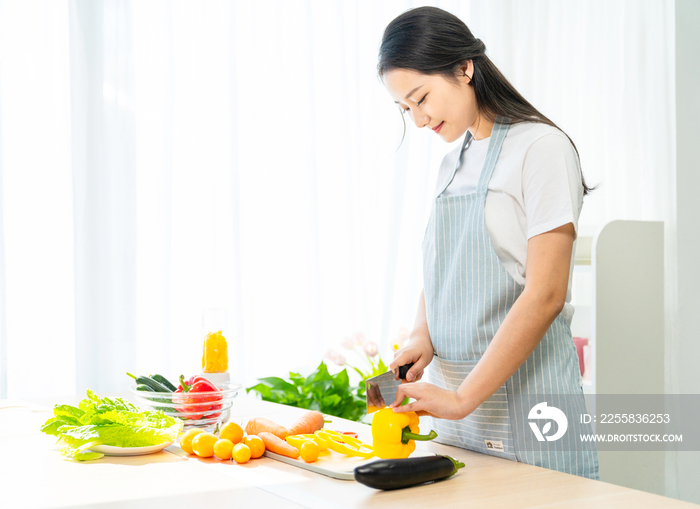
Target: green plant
[[332, 394], [329, 394]]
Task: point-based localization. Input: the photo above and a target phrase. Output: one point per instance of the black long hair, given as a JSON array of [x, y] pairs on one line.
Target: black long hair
[[432, 41]]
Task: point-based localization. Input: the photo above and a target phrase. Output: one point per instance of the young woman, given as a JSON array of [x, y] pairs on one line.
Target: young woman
[[492, 326]]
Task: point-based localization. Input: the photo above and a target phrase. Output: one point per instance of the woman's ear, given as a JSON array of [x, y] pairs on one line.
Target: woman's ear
[[467, 71]]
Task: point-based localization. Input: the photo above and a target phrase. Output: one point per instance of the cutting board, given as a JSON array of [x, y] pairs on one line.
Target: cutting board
[[333, 464]]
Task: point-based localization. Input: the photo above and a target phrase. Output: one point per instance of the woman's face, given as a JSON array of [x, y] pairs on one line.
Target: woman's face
[[435, 102]]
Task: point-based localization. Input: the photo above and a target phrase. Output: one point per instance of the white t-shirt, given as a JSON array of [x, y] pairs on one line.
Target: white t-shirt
[[536, 187]]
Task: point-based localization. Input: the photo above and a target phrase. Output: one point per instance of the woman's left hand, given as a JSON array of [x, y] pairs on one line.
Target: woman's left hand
[[430, 400]]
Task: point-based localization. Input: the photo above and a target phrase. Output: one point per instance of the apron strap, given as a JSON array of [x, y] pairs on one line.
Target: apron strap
[[466, 141], [498, 134]]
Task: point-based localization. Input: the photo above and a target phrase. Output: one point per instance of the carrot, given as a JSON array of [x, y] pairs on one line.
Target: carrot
[[275, 444], [255, 426], [308, 423]]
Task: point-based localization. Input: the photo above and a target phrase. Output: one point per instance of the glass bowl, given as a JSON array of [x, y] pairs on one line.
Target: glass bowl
[[198, 409]]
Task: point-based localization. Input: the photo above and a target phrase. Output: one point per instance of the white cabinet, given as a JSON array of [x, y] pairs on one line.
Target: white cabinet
[[618, 293]]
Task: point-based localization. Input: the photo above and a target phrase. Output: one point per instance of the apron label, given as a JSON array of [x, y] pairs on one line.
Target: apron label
[[495, 445]]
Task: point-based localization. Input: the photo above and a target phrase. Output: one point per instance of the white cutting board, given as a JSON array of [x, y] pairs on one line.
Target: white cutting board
[[333, 464]]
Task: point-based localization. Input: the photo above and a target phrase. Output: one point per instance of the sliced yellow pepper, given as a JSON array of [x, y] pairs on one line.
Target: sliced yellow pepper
[[322, 444], [299, 440], [343, 444]]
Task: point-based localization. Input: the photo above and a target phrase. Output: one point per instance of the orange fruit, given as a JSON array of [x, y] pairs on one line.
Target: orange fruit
[[256, 445], [241, 453], [203, 444], [309, 451], [186, 439], [223, 448], [231, 431]]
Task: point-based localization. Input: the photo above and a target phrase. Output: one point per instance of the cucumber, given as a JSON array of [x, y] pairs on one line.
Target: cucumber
[[405, 472], [156, 386], [146, 388], [164, 381]]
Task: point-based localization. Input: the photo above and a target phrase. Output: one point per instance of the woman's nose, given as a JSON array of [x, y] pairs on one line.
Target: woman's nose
[[421, 120]]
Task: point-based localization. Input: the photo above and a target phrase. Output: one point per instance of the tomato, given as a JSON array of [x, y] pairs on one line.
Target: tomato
[[203, 444], [186, 439], [241, 453], [256, 445], [223, 448], [232, 432], [309, 451]]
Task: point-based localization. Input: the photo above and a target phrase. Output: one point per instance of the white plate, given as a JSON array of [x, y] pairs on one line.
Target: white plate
[[110, 450]]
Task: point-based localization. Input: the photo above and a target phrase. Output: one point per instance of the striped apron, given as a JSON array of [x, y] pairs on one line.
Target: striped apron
[[468, 293]]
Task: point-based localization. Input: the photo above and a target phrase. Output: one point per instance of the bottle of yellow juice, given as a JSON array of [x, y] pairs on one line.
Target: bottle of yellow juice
[[215, 354], [214, 345]]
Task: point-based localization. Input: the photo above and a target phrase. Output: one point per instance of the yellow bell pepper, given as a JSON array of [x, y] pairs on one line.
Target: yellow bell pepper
[[393, 433]]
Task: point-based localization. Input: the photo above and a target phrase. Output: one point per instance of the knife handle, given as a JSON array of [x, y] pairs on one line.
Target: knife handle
[[403, 370]]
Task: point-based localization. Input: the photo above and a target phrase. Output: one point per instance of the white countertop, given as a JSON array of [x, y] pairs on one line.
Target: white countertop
[[34, 475]]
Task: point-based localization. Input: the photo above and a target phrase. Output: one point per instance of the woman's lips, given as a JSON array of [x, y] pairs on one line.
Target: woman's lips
[[438, 127]]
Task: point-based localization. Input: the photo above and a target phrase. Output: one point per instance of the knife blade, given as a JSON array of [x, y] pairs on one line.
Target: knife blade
[[381, 390]]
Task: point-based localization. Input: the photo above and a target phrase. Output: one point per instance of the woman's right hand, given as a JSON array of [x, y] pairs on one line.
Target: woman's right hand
[[419, 351]]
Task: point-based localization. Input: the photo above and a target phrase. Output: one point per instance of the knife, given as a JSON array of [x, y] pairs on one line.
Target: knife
[[381, 390]]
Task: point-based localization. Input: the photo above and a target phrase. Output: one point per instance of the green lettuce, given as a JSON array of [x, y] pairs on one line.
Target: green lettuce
[[107, 421]]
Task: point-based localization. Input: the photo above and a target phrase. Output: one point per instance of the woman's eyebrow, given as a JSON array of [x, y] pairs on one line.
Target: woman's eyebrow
[[410, 93]]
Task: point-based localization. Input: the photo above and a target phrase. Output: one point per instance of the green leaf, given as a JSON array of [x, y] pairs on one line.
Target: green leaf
[[331, 399], [64, 415], [119, 404], [322, 372], [93, 397], [52, 426], [261, 389], [310, 379], [341, 382], [278, 383], [304, 403], [296, 379], [283, 397], [68, 411], [321, 388]]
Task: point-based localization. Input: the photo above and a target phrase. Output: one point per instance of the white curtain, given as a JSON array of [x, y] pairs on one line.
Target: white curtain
[[162, 157]]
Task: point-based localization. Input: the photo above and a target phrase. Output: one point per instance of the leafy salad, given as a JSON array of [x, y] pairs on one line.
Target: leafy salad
[[106, 421]]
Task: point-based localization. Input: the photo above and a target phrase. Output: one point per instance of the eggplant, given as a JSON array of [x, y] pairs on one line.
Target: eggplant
[[402, 473]]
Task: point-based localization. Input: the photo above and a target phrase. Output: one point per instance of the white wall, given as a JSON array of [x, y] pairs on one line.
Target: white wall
[[683, 469]]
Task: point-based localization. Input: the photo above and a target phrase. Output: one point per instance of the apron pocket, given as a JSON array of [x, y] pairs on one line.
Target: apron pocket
[[487, 429]]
